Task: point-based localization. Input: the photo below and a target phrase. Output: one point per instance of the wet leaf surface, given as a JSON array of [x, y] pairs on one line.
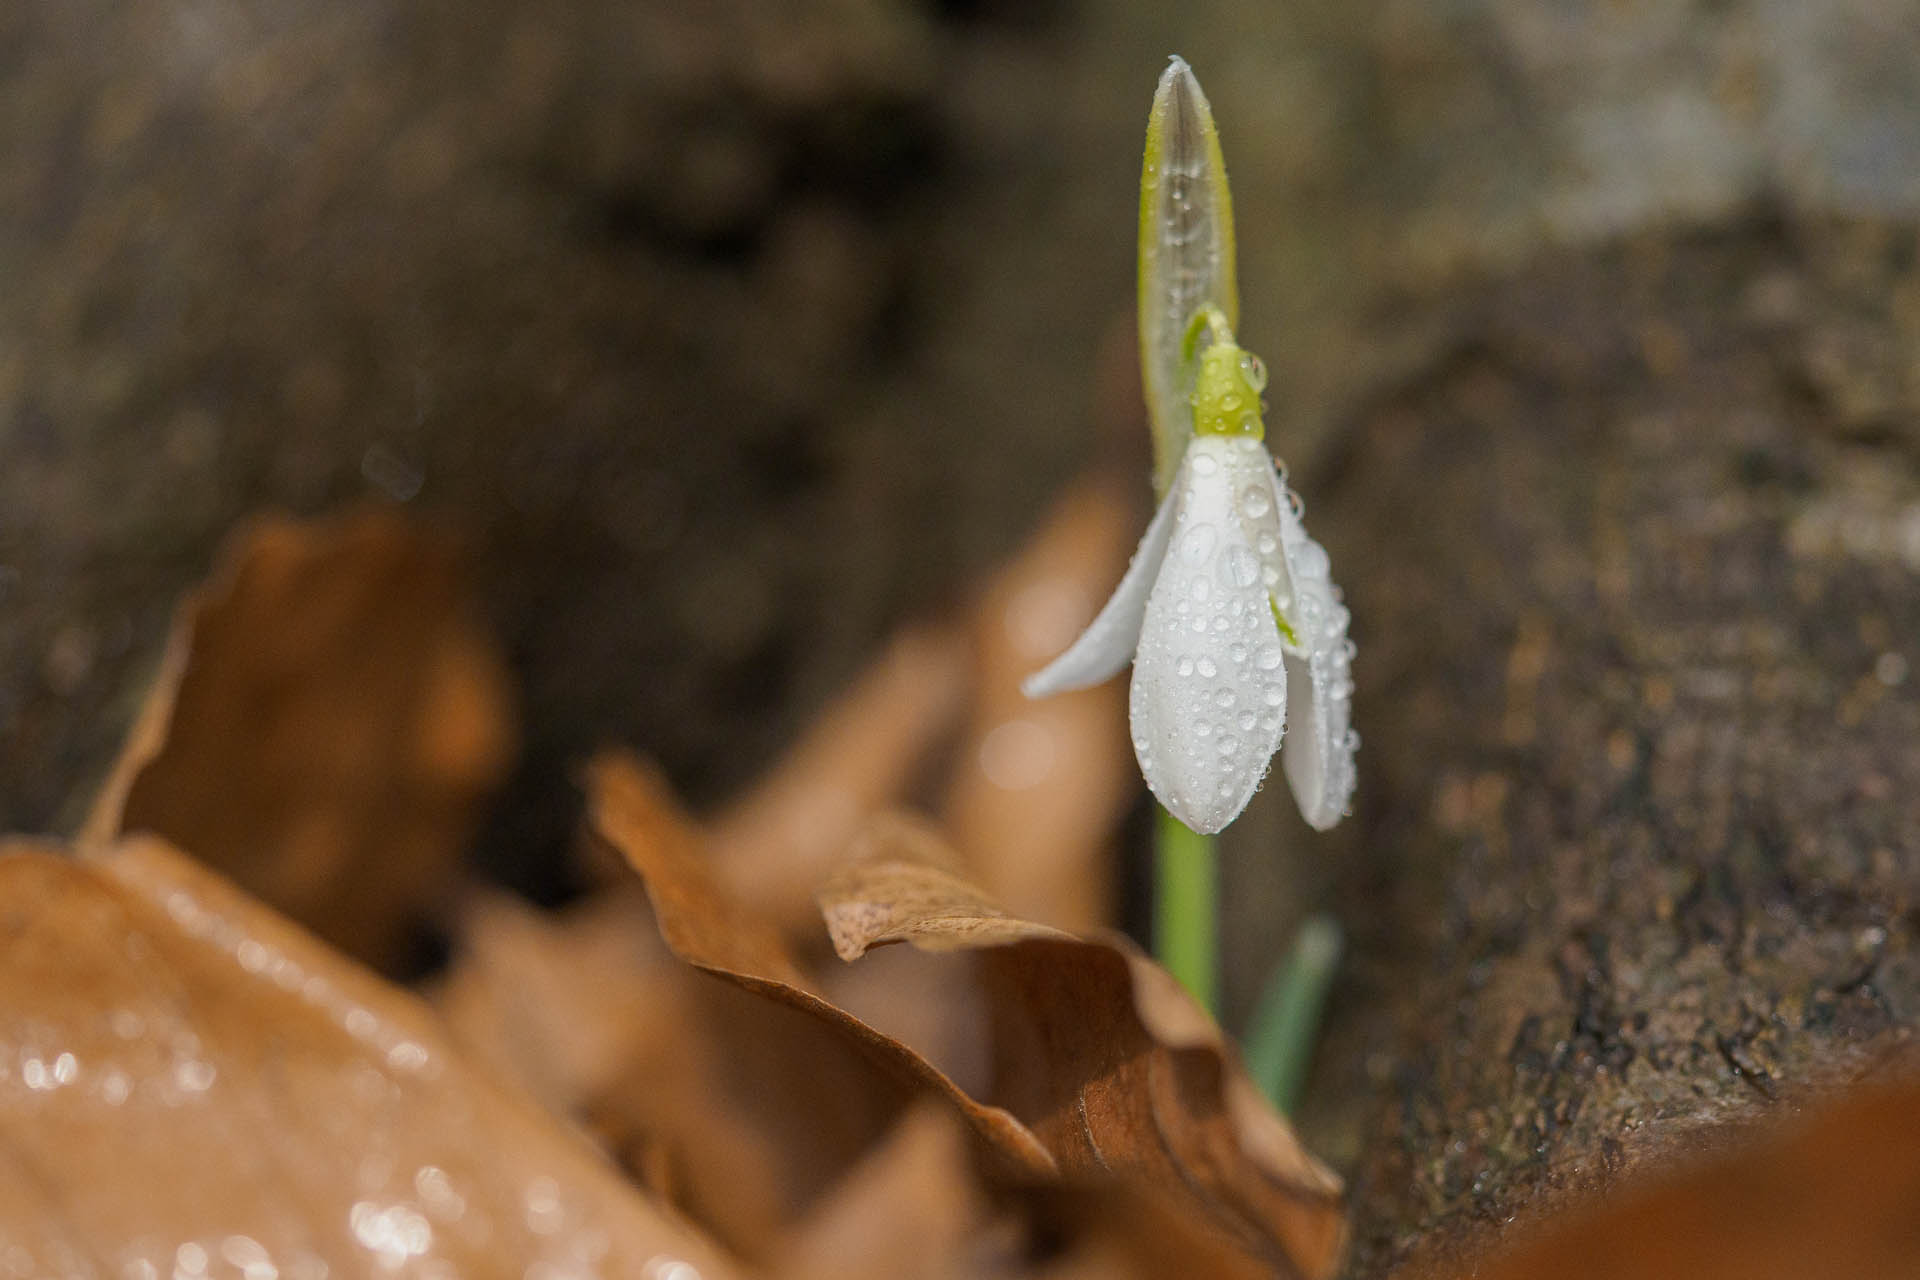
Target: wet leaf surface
[[326, 724], [192, 1085]]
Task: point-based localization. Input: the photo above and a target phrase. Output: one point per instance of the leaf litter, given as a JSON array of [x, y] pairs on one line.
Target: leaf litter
[[674, 1077]]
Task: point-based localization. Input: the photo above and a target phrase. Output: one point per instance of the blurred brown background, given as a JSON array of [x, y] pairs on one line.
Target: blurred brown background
[[733, 334]]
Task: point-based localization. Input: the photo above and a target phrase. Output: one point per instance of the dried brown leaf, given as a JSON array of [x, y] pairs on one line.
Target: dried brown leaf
[[1039, 787], [1834, 1193], [192, 1083], [630, 808], [326, 723], [1102, 1054], [1104, 1065]]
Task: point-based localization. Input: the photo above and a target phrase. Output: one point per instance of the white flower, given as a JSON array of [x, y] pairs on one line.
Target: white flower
[[1232, 623]]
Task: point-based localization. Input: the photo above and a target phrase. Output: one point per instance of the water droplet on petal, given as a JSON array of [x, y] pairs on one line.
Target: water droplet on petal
[[1209, 668], [1196, 544], [1203, 464], [1184, 666], [1269, 657], [1239, 566]]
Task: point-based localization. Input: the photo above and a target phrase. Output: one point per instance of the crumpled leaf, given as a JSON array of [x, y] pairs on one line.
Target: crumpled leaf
[[328, 719], [190, 1084], [631, 809], [739, 1113], [1039, 788], [1101, 1053], [1832, 1193], [1103, 1065]]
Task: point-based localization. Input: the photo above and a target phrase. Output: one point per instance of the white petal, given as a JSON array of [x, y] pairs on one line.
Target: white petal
[[1318, 759], [1209, 680], [1108, 642]]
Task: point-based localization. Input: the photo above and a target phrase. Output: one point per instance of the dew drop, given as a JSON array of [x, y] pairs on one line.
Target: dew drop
[[1204, 464], [1184, 666], [1201, 590], [1209, 668], [1312, 560], [1255, 502], [1247, 721], [1223, 699], [1197, 543], [1266, 543], [1239, 566], [1269, 657], [1274, 695]]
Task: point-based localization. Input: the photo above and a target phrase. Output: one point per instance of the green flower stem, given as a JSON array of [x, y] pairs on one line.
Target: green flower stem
[[1186, 906], [1280, 1042]]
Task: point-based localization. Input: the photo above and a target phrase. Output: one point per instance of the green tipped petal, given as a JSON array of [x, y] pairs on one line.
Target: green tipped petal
[[1186, 254]]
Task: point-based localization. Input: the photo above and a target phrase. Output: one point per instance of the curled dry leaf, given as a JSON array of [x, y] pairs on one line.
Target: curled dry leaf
[[192, 1084], [630, 808], [1103, 1065], [1039, 788], [1835, 1192], [327, 722], [1102, 1054]]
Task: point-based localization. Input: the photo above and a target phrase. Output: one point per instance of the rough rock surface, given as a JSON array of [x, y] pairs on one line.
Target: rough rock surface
[[1636, 564]]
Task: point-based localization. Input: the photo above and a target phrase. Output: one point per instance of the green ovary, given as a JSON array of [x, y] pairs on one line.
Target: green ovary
[[1227, 385]]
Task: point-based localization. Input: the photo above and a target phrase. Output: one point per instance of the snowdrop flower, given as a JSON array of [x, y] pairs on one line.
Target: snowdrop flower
[[1230, 618]]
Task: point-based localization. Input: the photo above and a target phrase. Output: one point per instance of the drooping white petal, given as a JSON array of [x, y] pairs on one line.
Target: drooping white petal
[[1208, 701], [1318, 756], [1108, 642]]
